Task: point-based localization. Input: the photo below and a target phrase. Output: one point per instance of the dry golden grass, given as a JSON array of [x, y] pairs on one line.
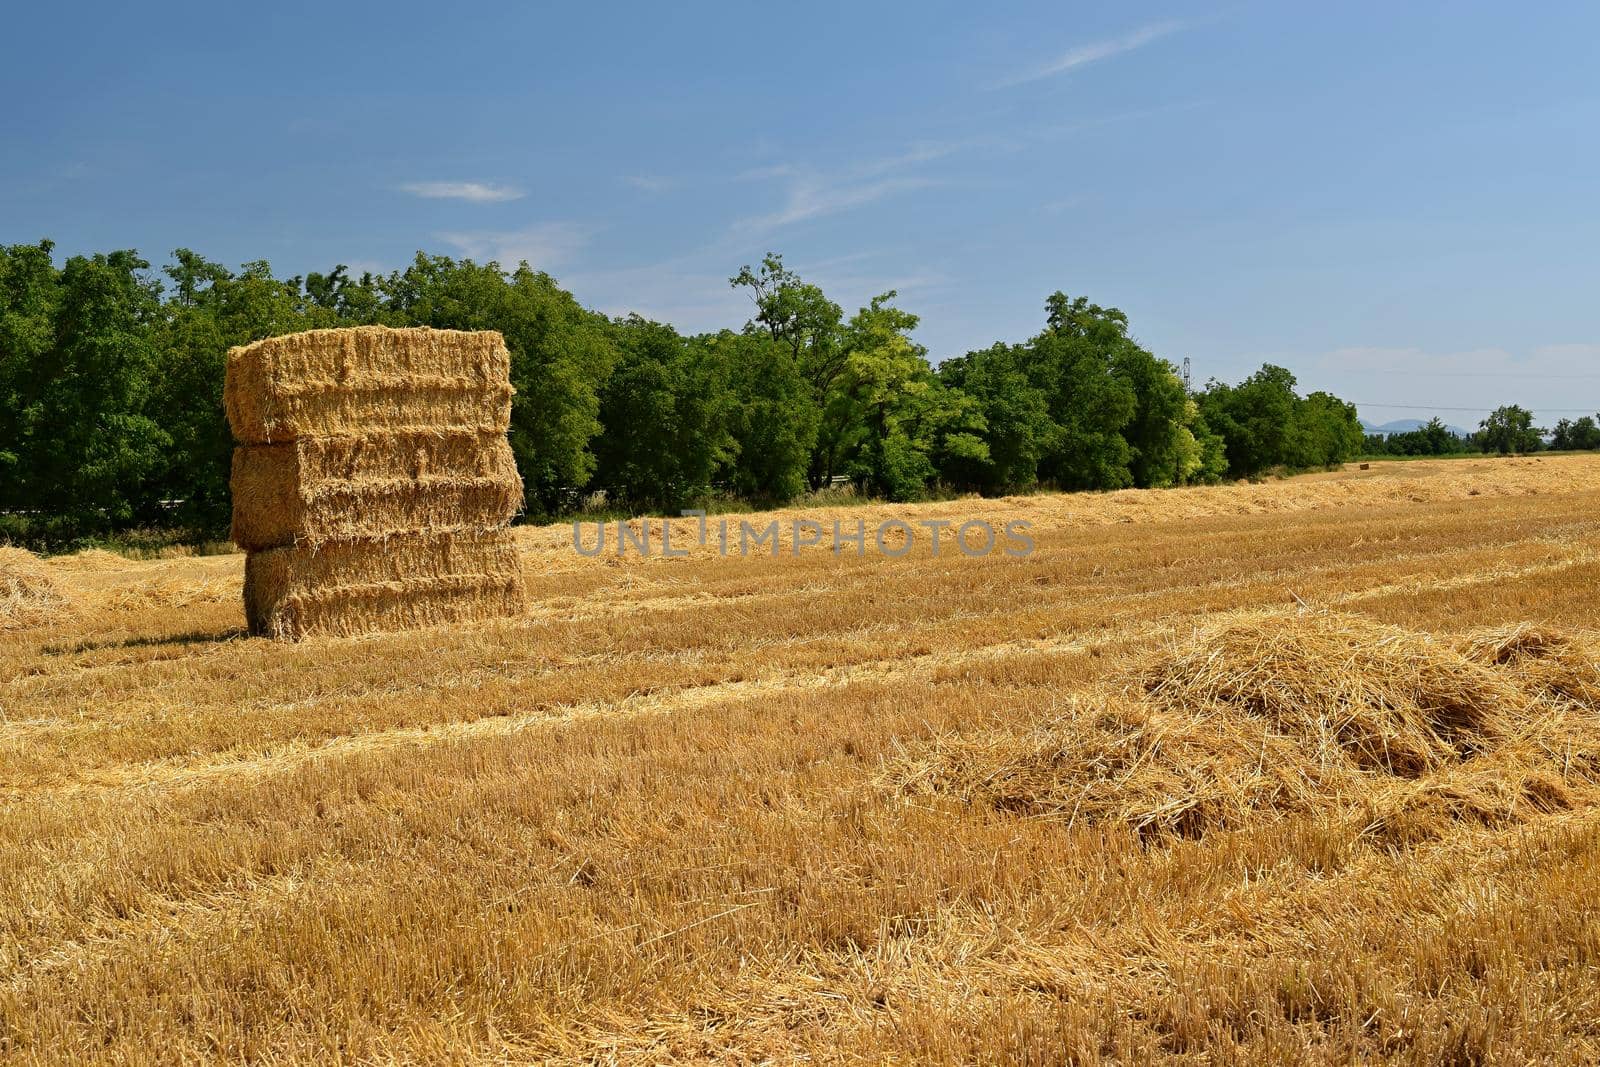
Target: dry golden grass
[[1299, 771], [29, 595]]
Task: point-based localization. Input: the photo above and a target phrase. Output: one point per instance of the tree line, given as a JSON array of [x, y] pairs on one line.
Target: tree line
[[111, 394], [1507, 430]]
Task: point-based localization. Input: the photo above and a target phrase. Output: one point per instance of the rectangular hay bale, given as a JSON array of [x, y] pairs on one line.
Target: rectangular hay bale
[[351, 587], [318, 489], [368, 379]]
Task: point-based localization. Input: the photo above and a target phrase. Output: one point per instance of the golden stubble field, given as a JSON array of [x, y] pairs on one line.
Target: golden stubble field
[[1304, 770]]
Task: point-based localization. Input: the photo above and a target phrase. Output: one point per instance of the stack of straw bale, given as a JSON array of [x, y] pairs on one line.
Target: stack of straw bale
[[373, 480]]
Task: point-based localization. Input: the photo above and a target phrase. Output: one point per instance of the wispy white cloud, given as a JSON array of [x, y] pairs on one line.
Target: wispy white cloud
[[814, 197], [650, 183], [544, 245], [474, 192], [812, 193], [1093, 52]]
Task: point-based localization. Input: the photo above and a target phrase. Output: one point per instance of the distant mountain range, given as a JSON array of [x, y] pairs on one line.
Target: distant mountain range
[[1405, 426]]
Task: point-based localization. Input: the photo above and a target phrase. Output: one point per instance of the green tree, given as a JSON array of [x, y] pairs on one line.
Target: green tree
[[664, 413], [1327, 432], [1160, 435], [1256, 419], [29, 297], [799, 316], [1018, 430], [98, 443], [1211, 450], [773, 420], [346, 301], [1509, 429], [1073, 364], [1581, 434], [902, 420]]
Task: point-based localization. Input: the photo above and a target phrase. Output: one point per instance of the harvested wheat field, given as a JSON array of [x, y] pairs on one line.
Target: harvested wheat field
[[1307, 770]]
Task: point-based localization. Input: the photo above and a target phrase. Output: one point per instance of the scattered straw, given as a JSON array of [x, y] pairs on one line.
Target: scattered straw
[[174, 593], [1271, 715], [29, 596], [1539, 659], [1388, 698]]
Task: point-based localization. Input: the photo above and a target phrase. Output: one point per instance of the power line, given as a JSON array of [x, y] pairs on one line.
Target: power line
[[1485, 407], [1509, 375]]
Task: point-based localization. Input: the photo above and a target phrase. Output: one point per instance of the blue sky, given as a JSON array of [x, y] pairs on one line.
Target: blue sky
[[1398, 202]]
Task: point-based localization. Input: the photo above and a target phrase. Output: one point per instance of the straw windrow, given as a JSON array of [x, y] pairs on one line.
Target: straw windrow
[[1276, 714], [28, 594]]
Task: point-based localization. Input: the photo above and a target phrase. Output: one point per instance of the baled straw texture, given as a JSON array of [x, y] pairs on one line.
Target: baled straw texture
[[352, 587], [29, 596], [381, 607], [316, 489], [368, 379]]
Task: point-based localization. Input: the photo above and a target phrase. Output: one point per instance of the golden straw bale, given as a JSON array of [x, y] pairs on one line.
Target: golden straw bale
[[29, 596], [368, 379], [347, 587], [408, 605], [307, 568], [315, 489]]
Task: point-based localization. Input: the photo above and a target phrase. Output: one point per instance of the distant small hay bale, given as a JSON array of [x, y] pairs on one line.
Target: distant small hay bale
[[340, 588], [29, 596], [368, 379], [316, 489], [1388, 698]]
